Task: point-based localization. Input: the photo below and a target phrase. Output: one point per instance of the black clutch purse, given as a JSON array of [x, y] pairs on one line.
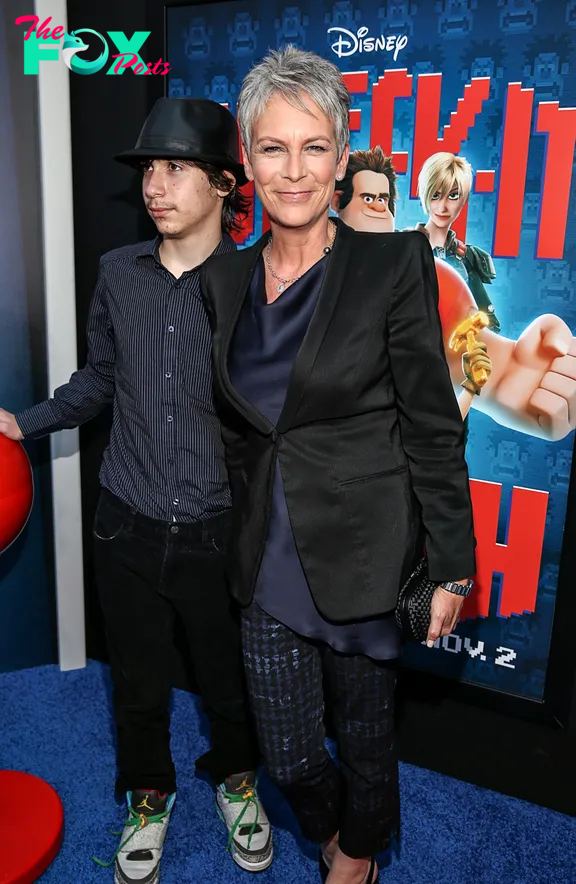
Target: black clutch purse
[[415, 603]]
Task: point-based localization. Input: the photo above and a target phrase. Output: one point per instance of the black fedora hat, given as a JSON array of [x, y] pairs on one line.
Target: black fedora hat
[[189, 129]]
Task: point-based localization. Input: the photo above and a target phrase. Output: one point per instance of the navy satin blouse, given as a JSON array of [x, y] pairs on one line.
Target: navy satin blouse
[[266, 342]]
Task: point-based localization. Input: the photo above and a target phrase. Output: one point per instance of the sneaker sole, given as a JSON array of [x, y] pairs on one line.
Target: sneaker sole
[[240, 860]]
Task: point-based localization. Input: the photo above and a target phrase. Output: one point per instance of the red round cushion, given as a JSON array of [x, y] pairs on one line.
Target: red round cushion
[[32, 821], [16, 490]]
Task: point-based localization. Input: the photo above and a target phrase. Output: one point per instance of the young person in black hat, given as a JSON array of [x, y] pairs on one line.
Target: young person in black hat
[[163, 519]]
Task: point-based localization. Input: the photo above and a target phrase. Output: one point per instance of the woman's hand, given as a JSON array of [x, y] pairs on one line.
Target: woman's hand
[[445, 612]]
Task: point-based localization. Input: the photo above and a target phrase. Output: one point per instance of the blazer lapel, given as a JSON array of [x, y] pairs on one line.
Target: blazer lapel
[[248, 411], [327, 300]]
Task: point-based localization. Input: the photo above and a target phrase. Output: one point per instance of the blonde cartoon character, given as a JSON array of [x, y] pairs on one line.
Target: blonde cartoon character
[[444, 185]]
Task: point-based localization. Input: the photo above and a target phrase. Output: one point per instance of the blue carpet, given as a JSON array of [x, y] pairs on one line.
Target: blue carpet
[[57, 726]]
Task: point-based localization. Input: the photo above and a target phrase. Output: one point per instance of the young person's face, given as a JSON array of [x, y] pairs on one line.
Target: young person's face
[[178, 197], [369, 208], [445, 209]]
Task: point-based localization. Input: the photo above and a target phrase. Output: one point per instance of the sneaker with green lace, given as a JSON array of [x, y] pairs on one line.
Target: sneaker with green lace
[[249, 832], [137, 860]]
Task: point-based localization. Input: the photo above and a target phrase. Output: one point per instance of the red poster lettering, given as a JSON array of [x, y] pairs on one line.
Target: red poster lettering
[[518, 560], [355, 119], [393, 85], [560, 124], [484, 181], [356, 81], [426, 140], [247, 228], [516, 140]]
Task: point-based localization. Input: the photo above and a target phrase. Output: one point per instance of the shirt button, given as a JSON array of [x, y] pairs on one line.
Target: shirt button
[[176, 501], [170, 328], [174, 529], [168, 374], [170, 418]]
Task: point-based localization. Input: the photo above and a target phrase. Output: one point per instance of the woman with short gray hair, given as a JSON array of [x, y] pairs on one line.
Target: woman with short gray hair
[[345, 451]]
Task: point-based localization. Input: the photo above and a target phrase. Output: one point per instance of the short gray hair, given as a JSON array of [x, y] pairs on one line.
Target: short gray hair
[[291, 72]]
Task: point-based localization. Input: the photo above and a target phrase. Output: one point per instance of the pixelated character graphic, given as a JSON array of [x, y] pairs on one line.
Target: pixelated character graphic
[[177, 88], [532, 383], [455, 17], [507, 459], [484, 59], [518, 16], [291, 27], [546, 66], [397, 17], [366, 201], [427, 59], [197, 42], [444, 185], [555, 285], [559, 465], [344, 15], [220, 84], [532, 201], [243, 35]]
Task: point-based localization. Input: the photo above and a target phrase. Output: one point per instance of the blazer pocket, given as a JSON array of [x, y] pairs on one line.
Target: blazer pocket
[[391, 472], [377, 511]]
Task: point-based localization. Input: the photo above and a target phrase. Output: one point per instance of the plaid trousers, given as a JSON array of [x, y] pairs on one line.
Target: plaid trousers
[[285, 673]]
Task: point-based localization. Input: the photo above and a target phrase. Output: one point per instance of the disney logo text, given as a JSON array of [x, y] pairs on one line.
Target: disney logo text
[[349, 43]]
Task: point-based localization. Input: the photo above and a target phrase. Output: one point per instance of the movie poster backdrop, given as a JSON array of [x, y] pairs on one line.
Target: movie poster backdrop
[[494, 83]]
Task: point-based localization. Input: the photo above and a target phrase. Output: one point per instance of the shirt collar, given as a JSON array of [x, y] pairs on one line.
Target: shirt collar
[[152, 247]]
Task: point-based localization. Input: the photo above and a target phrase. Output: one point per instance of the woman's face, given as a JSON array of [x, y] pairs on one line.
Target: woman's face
[[294, 161], [445, 209]]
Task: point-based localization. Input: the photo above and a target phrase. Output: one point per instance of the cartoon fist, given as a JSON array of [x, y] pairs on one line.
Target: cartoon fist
[[537, 388]]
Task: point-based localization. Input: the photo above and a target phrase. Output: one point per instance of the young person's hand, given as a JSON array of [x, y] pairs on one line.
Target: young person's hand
[[9, 427]]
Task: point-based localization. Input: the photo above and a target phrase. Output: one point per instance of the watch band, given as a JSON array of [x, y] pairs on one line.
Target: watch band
[[457, 588]]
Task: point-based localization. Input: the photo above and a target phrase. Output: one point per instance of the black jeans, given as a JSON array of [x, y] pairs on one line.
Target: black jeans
[[148, 572], [286, 675]]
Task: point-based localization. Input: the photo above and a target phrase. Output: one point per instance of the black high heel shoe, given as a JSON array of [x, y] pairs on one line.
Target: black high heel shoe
[[325, 871]]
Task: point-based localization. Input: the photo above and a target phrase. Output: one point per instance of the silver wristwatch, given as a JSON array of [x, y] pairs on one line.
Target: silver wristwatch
[[458, 589]]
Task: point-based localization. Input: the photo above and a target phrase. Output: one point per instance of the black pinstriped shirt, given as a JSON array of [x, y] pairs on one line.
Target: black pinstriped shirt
[[149, 354]]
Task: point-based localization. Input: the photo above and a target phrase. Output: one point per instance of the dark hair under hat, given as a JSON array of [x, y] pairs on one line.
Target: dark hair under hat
[[189, 129]]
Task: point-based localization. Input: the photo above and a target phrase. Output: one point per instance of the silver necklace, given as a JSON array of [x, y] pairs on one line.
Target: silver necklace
[[285, 282]]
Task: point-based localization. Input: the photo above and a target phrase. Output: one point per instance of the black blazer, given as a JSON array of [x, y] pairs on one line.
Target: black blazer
[[370, 440]]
